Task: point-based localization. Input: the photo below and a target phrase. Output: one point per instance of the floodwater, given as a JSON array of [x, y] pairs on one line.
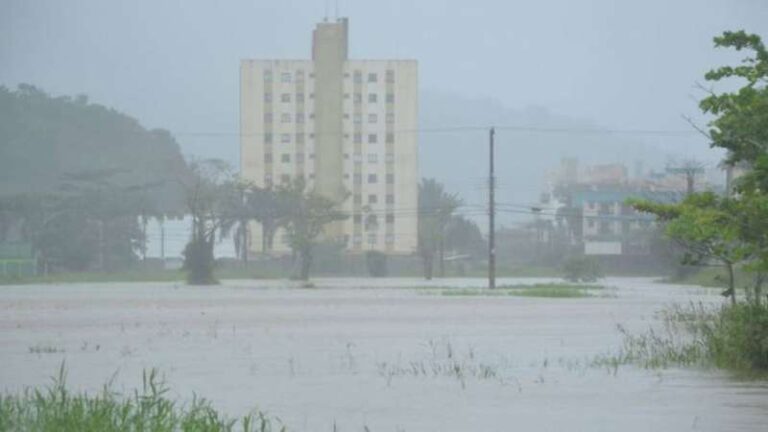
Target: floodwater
[[375, 352]]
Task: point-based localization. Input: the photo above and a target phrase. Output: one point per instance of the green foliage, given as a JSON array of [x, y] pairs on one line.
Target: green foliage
[[376, 263], [56, 408], [732, 337], [306, 216], [199, 262], [581, 268], [75, 177]]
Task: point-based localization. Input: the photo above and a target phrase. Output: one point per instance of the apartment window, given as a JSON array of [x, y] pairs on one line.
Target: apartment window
[[358, 138], [299, 157], [390, 199], [285, 118], [346, 116], [267, 138], [373, 118], [285, 178], [358, 119], [358, 77], [299, 97], [372, 77], [373, 98], [267, 97], [390, 158], [268, 178], [372, 178], [390, 76], [357, 178], [358, 98], [357, 158], [373, 138], [390, 218], [285, 97], [371, 223], [373, 158], [285, 77], [358, 218], [285, 138], [267, 117], [267, 157], [390, 118], [390, 138], [285, 158], [267, 75], [356, 239], [390, 98], [299, 138], [373, 199], [372, 238], [390, 179], [300, 75], [299, 117], [357, 199]]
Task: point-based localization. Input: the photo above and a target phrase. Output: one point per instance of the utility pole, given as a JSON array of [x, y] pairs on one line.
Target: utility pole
[[491, 218]]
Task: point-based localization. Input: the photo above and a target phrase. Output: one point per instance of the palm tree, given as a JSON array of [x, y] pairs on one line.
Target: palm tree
[[436, 206]]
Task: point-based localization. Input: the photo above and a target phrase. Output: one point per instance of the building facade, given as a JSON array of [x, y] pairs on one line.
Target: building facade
[[348, 127]]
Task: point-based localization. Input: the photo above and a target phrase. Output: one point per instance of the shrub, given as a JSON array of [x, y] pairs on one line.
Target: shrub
[[376, 262], [199, 262], [58, 409], [581, 268]]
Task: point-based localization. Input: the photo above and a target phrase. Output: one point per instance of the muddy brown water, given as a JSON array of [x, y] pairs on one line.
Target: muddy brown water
[[389, 354]]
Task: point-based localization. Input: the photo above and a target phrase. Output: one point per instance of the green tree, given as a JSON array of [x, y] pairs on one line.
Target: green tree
[[704, 225], [436, 207], [206, 192], [307, 214]]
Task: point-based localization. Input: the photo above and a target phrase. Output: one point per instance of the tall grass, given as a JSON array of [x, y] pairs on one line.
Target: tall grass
[[57, 409], [731, 337]]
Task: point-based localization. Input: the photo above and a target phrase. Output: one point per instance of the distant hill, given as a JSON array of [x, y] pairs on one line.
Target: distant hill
[[47, 142]]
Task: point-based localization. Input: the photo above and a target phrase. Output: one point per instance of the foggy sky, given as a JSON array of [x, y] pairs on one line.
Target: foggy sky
[[174, 64]]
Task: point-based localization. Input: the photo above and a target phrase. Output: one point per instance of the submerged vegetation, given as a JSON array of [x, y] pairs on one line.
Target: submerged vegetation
[[552, 290], [56, 408], [730, 337]]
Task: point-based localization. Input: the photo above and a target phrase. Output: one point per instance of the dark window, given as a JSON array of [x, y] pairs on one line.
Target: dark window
[[390, 218], [285, 158], [372, 178], [390, 178], [390, 199]]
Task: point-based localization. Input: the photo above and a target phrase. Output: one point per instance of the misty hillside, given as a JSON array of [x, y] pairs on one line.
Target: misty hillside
[[50, 142], [459, 158]]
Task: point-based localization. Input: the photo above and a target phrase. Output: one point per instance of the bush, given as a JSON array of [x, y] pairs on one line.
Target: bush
[[199, 262], [581, 268], [732, 337], [376, 262]]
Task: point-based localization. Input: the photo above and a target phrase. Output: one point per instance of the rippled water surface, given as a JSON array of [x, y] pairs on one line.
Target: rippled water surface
[[390, 354]]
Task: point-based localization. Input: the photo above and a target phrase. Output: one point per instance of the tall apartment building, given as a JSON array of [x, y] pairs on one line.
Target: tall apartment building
[[348, 127]]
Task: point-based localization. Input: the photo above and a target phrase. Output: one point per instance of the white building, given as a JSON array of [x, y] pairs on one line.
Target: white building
[[348, 127]]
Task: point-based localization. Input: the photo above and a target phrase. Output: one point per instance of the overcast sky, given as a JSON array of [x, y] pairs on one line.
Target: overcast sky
[[174, 64]]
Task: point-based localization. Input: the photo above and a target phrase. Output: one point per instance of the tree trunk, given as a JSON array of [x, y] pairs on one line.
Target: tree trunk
[[442, 258], [306, 263], [427, 266], [731, 282]]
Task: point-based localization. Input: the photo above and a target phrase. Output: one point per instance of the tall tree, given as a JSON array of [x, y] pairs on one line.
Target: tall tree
[[436, 206], [307, 214]]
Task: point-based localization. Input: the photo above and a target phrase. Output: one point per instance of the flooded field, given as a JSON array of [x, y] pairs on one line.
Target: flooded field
[[389, 354]]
